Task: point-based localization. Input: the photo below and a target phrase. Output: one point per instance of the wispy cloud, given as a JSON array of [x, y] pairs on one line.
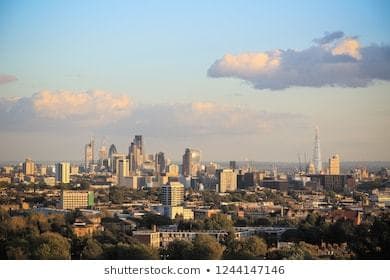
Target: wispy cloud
[[4, 79], [335, 60]]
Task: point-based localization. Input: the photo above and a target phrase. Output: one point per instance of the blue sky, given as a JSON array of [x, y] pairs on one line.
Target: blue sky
[[159, 52]]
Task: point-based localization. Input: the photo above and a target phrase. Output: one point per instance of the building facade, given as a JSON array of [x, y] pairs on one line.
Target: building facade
[[76, 199]]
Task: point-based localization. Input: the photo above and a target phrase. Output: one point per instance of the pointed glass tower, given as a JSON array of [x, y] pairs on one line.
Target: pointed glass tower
[[317, 152]]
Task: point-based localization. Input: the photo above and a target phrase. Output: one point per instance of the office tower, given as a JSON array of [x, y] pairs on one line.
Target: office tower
[[28, 167], [123, 173], [317, 152], [233, 164], [42, 170], [74, 170], [103, 157], [63, 172], [103, 153], [76, 199], [334, 165], [172, 170], [136, 154], [191, 162], [111, 152], [123, 168], [160, 163], [172, 194], [115, 162], [139, 143], [227, 180], [89, 155], [211, 168]]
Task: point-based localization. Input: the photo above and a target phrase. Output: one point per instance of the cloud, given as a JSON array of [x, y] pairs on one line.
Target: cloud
[[56, 110], [95, 105], [203, 119], [335, 60], [245, 65], [349, 47], [4, 79], [105, 113], [329, 37]]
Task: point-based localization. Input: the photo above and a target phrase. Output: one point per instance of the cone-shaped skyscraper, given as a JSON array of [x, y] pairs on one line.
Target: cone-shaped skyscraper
[[317, 152]]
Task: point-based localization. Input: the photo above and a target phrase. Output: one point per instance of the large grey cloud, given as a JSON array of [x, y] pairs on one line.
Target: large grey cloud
[[66, 111], [335, 60]]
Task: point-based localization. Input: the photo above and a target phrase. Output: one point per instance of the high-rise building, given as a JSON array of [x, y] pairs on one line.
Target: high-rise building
[[63, 172], [76, 199], [123, 169], [227, 180], [211, 168], [172, 170], [74, 170], [172, 194], [317, 152], [160, 163], [103, 156], [191, 162], [111, 152], [233, 164], [334, 165], [28, 167], [89, 155], [136, 154], [115, 162], [42, 170], [139, 143]]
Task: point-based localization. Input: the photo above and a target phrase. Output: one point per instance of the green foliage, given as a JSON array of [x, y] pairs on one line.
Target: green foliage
[[51, 246], [135, 251], [262, 222], [206, 247], [372, 242], [295, 252], [117, 195], [246, 249], [92, 250], [151, 219], [218, 222], [179, 250]]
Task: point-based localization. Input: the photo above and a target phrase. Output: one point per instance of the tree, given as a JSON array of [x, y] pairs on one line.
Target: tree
[[206, 248], [151, 219], [294, 252], [249, 248], [92, 250], [17, 253], [372, 241], [117, 195], [262, 222], [38, 221], [135, 251], [17, 248], [218, 222], [179, 250], [341, 231], [51, 246]]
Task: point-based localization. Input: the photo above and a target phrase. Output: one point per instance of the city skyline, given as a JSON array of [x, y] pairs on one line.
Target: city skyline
[[233, 80]]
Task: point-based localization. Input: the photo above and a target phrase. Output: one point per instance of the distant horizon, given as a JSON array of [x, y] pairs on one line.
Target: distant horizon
[[206, 161], [235, 79]]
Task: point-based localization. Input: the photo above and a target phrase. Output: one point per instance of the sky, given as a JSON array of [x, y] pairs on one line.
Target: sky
[[236, 79]]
